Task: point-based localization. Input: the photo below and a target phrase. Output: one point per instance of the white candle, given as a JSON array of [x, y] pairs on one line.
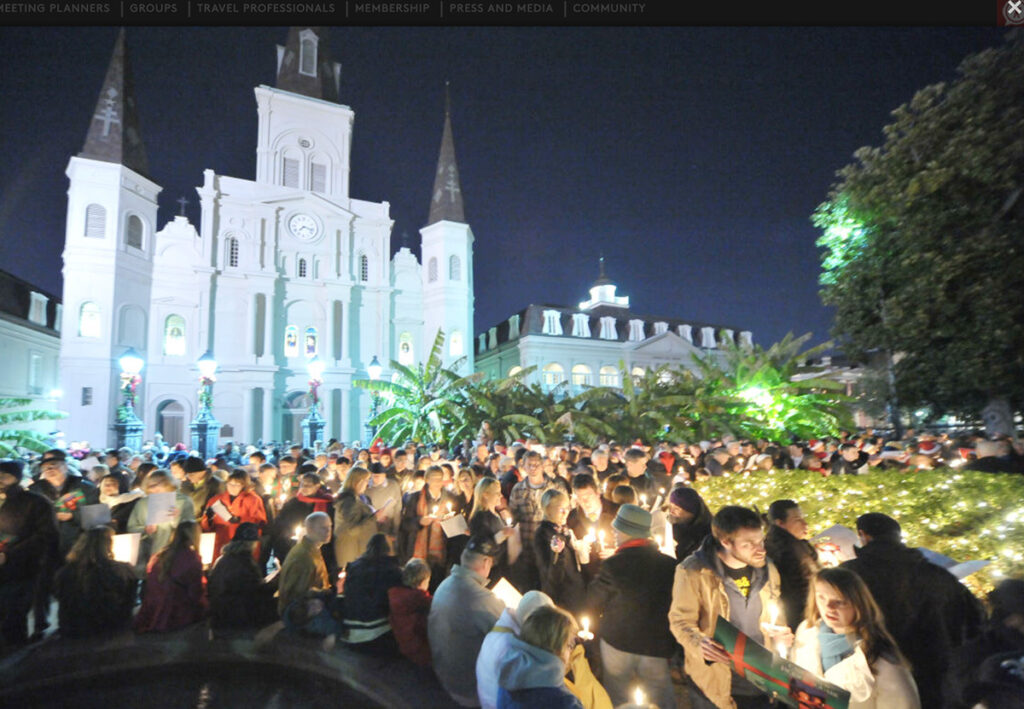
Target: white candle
[[638, 697], [434, 512], [298, 533], [585, 634]]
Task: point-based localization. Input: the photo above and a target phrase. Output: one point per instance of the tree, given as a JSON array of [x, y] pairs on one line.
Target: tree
[[923, 241], [14, 438], [425, 403], [773, 393]]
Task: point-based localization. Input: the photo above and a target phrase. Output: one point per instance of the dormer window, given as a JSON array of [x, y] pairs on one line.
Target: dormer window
[[707, 338], [608, 328], [636, 330], [513, 326], [580, 325], [307, 52], [660, 327], [552, 323], [686, 332]]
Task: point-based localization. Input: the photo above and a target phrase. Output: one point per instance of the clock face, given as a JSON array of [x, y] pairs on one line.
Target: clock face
[[303, 226]]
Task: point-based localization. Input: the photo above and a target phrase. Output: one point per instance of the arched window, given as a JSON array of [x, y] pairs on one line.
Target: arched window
[[553, 374], [233, 252], [514, 370], [364, 268], [302, 268], [609, 376], [309, 348], [318, 177], [290, 172], [89, 320], [291, 341], [580, 375], [637, 373], [174, 336], [455, 346], [95, 221], [406, 355], [307, 54], [432, 270], [133, 234], [454, 269]]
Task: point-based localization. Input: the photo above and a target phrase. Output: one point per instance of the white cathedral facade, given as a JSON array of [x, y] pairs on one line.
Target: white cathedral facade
[[280, 269]]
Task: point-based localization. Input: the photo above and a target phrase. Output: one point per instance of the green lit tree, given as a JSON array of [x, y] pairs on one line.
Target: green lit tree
[[14, 437], [922, 237]]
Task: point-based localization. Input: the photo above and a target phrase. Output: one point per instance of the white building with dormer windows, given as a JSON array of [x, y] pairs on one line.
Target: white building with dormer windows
[[280, 269]]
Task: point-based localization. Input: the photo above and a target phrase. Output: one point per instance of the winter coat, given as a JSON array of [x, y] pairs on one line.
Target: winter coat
[[28, 534], [238, 596], [561, 576], [303, 571], [927, 610], [200, 494], [354, 524], [366, 597], [530, 678], [630, 599], [462, 613], [408, 609], [797, 561], [153, 543], [888, 685], [688, 536], [94, 601], [176, 601], [247, 507], [77, 492], [698, 598], [488, 524]]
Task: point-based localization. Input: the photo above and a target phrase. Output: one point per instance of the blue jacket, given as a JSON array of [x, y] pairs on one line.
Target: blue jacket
[[532, 678]]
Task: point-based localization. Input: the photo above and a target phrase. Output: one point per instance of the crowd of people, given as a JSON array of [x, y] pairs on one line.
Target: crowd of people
[[522, 575]]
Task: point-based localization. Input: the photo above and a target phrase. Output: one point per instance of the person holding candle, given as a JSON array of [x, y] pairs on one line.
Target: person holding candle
[[421, 534], [558, 554], [794, 557], [240, 503], [629, 601], [310, 496], [592, 514], [174, 595], [156, 536], [484, 520], [305, 598], [844, 640], [728, 576]]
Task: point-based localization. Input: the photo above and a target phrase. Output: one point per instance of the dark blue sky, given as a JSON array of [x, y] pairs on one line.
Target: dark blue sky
[[691, 158]]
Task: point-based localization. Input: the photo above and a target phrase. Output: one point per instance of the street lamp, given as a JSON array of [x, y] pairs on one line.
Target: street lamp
[[313, 424], [128, 425], [205, 428], [374, 369]]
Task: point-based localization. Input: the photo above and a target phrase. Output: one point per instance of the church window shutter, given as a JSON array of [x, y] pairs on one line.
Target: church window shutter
[[432, 270], [302, 268], [233, 252], [454, 268], [319, 178], [95, 221], [290, 174], [364, 268]]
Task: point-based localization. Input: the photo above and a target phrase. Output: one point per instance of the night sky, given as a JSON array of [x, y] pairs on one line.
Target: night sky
[[692, 158]]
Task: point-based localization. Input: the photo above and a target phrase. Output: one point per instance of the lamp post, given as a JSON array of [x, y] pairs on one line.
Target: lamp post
[[205, 428], [129, 426], [374, 369], [313, 424]]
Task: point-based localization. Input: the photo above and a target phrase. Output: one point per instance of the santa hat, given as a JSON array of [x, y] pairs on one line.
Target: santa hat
[[929, 448]]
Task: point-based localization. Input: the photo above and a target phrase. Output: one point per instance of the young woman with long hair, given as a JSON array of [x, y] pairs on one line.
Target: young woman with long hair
[[175, 593]]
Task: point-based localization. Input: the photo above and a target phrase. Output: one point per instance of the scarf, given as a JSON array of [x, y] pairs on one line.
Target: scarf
[[319, 503], [430, 539], [834, 647]]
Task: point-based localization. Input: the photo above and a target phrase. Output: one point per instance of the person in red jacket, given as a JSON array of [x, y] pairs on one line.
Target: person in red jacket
[[239, 503], [409, 607]]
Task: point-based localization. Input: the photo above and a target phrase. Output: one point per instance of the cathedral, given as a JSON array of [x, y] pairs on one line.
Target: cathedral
[[281, 269]]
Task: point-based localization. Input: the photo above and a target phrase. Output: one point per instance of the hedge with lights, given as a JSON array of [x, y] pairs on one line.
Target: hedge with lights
[[960, 514]]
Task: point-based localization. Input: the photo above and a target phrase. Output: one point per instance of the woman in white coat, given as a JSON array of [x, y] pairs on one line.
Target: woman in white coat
[[843, 639]]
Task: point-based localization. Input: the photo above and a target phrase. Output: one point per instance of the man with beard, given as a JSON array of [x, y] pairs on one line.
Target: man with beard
[[728, 576], [28, 536]]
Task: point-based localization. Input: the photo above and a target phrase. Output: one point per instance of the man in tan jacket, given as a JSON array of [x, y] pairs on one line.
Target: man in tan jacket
[[728, 576]]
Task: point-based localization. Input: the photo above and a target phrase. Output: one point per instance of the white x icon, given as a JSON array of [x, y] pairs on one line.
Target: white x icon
[[1015, 7]]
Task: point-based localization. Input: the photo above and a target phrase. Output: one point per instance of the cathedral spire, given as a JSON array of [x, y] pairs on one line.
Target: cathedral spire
[[446, 203], [114, 130], [304, 65]]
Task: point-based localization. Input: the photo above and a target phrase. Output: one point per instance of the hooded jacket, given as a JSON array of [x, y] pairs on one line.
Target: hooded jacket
[[699, 596], [532, 677]]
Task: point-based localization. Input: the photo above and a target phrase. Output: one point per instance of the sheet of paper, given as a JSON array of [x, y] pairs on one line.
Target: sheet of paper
[[159, 507], [837, 542], [507, 593], [126, 547], [95, 515], [454, 526], [221, 510]]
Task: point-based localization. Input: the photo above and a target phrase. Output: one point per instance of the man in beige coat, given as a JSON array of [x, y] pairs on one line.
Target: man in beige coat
[[728, 576]]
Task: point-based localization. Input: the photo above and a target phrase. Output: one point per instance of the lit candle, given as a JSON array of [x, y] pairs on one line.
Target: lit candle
[[591, 536], [600, 538], [449, 506], [585, 634], [298, 533], [638, 697], [643, 500], [434, 512]]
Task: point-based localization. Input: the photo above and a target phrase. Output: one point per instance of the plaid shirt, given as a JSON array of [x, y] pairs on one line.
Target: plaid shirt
[[524, 503]]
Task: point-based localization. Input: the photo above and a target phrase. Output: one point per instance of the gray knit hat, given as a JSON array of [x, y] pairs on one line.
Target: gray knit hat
[[633, 521]]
